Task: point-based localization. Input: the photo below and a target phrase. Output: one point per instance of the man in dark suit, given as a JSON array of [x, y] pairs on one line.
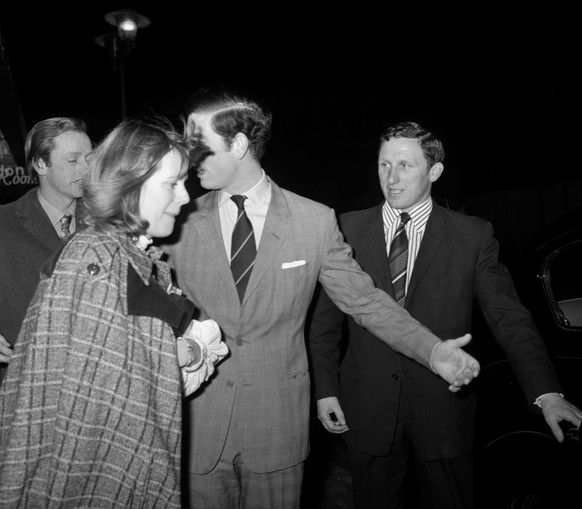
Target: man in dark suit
[[396, 415], [36, 225]]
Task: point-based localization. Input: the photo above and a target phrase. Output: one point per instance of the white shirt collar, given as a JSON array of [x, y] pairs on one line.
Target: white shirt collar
[[53, 212], [255, 195], [418, 214]]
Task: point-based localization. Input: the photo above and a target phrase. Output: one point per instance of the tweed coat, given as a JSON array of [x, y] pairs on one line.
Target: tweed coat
[[267, 371], [457, 265], [27, 240], [90, 411]]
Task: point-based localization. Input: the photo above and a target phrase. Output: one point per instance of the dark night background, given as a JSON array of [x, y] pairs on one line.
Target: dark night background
[[499, 82]]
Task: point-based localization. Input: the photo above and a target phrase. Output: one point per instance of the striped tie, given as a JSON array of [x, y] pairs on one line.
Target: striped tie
[[66, 226], [243, 248], [398, 260]]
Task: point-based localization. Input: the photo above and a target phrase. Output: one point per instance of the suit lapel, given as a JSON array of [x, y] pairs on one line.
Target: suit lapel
[[36, 222], [374, 249], [276, 229], [432, 241], [210, 236]]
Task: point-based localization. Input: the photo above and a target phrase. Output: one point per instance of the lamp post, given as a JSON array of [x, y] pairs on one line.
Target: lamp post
[[119, 44]]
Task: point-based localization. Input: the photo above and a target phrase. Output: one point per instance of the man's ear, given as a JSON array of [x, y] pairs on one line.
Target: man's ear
[[240, 145], [436, 171], [40, 166]]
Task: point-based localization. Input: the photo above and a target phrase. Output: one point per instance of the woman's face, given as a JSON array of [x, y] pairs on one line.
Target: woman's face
[[163, 195]]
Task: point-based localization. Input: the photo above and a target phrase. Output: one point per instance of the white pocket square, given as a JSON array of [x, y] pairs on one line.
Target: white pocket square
[[290, 265]]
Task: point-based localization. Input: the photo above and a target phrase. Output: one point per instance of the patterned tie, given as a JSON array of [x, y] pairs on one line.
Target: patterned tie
[[398, 260], [243, 249], [65, 226]]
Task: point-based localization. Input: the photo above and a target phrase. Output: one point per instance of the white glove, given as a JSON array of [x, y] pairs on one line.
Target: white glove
[[207, 336]]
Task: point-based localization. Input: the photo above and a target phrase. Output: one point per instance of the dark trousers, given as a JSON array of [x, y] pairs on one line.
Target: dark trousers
[[402, 480]]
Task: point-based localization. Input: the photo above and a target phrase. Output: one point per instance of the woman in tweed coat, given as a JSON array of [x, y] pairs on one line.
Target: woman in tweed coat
[[90, 411]]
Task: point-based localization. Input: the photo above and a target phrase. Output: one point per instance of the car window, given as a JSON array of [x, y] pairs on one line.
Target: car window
[[563, 285]]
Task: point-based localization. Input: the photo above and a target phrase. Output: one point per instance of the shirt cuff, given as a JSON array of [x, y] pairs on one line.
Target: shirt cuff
[[538, 400]]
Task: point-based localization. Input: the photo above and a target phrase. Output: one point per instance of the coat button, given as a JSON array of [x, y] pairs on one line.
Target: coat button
[[239, 342], [395, 377], [93, 269], [230, 384]]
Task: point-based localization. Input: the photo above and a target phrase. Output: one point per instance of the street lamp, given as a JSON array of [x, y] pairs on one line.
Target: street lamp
[[119, 44]]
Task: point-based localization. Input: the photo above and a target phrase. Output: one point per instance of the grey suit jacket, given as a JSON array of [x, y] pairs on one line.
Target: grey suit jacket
[[267, 370]]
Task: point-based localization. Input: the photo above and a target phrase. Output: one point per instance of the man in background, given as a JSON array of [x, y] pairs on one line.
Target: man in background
[[396, 416], [33, 227]]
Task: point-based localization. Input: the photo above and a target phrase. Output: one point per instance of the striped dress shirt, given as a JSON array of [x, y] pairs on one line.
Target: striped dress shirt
[[414, 230]]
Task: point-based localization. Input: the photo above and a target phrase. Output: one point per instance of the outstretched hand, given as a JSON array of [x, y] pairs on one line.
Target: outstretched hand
[[453, 364]]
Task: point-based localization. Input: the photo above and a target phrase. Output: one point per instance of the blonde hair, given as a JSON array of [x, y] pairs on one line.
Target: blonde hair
[[128, 156], [40, 141]]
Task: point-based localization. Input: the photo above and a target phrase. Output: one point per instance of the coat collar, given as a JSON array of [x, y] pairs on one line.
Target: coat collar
[[151, 300], [141, 261], [275, 232], [375, 247], [36, 221], [432, 242]]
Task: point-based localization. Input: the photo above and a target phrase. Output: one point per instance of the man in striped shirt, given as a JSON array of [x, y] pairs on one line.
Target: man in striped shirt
[[394, 415]]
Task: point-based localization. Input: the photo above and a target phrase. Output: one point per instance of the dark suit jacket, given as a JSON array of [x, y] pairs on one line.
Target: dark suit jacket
[[457, 263], [28, 240]]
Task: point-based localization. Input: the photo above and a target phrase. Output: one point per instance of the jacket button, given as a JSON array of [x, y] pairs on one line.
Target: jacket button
[[239, 342], [230, 384], [93, 269], [395, 377]]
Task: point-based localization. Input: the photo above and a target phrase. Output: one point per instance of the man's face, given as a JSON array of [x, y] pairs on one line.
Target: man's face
[[404, 175], [63, 175], [219, 170]]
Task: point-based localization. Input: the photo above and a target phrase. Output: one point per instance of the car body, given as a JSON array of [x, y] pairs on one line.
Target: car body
[[521, 465]]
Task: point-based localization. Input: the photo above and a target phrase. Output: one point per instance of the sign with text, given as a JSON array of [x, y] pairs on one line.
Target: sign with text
[[14, 180]]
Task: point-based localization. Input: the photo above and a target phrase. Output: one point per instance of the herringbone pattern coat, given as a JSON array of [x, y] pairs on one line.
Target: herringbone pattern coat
[[90, 410]]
